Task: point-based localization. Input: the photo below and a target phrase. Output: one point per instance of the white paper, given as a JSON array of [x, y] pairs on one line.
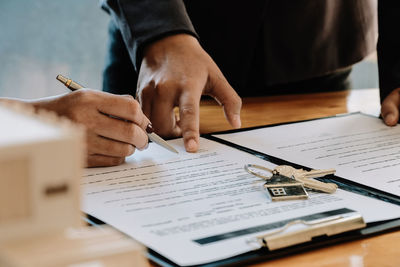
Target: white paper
[[360, 147], [166, 201]]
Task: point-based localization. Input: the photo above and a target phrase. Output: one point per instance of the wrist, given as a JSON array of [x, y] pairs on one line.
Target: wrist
[[164, 44], [47, 103], [16, 101], [35, 104]]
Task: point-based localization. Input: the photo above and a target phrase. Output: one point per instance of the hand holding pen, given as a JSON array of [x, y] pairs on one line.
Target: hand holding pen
[[115, 124], [108, 141], [123, 121]]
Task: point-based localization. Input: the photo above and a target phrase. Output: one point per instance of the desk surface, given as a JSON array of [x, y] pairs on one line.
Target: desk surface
[[277, 109], [382, 250]]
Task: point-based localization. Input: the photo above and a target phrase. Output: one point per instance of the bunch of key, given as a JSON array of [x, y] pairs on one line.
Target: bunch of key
[[288, 183]]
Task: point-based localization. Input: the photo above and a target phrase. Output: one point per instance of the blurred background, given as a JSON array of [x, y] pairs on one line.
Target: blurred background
[[40, 39], [43, 38]]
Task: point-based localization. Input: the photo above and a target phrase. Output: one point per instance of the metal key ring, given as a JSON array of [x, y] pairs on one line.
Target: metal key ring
[[248, 166]]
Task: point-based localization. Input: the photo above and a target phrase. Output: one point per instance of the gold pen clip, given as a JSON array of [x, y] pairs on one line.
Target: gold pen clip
[[301, 231]]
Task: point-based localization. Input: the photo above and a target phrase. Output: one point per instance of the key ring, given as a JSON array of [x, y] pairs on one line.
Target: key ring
[[248, 167], [278, 186]]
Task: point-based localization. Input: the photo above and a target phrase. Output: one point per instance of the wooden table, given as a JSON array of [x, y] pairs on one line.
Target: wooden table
[[382, 250], [276, 109]]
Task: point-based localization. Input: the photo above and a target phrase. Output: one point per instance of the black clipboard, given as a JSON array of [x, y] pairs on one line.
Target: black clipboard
[[341, 182], [264, 254]]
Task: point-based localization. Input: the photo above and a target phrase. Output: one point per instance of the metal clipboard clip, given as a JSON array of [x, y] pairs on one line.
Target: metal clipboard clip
[[300, 231]]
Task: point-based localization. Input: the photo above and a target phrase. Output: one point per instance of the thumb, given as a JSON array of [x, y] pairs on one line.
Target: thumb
[[390, 108], [226, 96]]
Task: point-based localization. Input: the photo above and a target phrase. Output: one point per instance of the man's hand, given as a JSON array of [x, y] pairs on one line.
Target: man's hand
[[390, 108], [176, 71], [109, 140]]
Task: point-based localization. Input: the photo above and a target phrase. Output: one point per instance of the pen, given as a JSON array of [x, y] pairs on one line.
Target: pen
[[73, 86]]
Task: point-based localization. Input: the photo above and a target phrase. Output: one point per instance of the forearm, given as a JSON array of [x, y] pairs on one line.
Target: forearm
[[388, 47], [17, 101], [108, 140], [48, 103], [143, 22]]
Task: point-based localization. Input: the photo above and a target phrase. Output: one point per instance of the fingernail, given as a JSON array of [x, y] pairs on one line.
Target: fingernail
[[390, 118], [143, 148], [191, 145], [236, 121]]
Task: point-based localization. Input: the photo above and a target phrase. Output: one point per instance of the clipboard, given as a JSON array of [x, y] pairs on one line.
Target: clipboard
[[342, 183], [343, 225], [283, 242], [285, 239]]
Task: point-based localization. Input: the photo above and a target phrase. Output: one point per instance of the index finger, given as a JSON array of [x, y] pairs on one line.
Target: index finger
[[123, 107], [189, 102]]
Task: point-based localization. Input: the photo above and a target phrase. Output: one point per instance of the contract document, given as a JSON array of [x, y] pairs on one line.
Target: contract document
[[360, 147], [196, 208]]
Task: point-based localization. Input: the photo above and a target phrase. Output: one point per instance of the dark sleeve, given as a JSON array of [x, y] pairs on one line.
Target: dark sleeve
[[144, 21], [388, 46]]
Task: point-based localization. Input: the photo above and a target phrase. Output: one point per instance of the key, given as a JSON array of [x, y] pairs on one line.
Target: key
[[280, 187], [317, 173], [317, 185], [306, 177]]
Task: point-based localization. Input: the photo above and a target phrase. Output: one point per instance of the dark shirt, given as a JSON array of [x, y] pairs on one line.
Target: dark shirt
[[260, 43]]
